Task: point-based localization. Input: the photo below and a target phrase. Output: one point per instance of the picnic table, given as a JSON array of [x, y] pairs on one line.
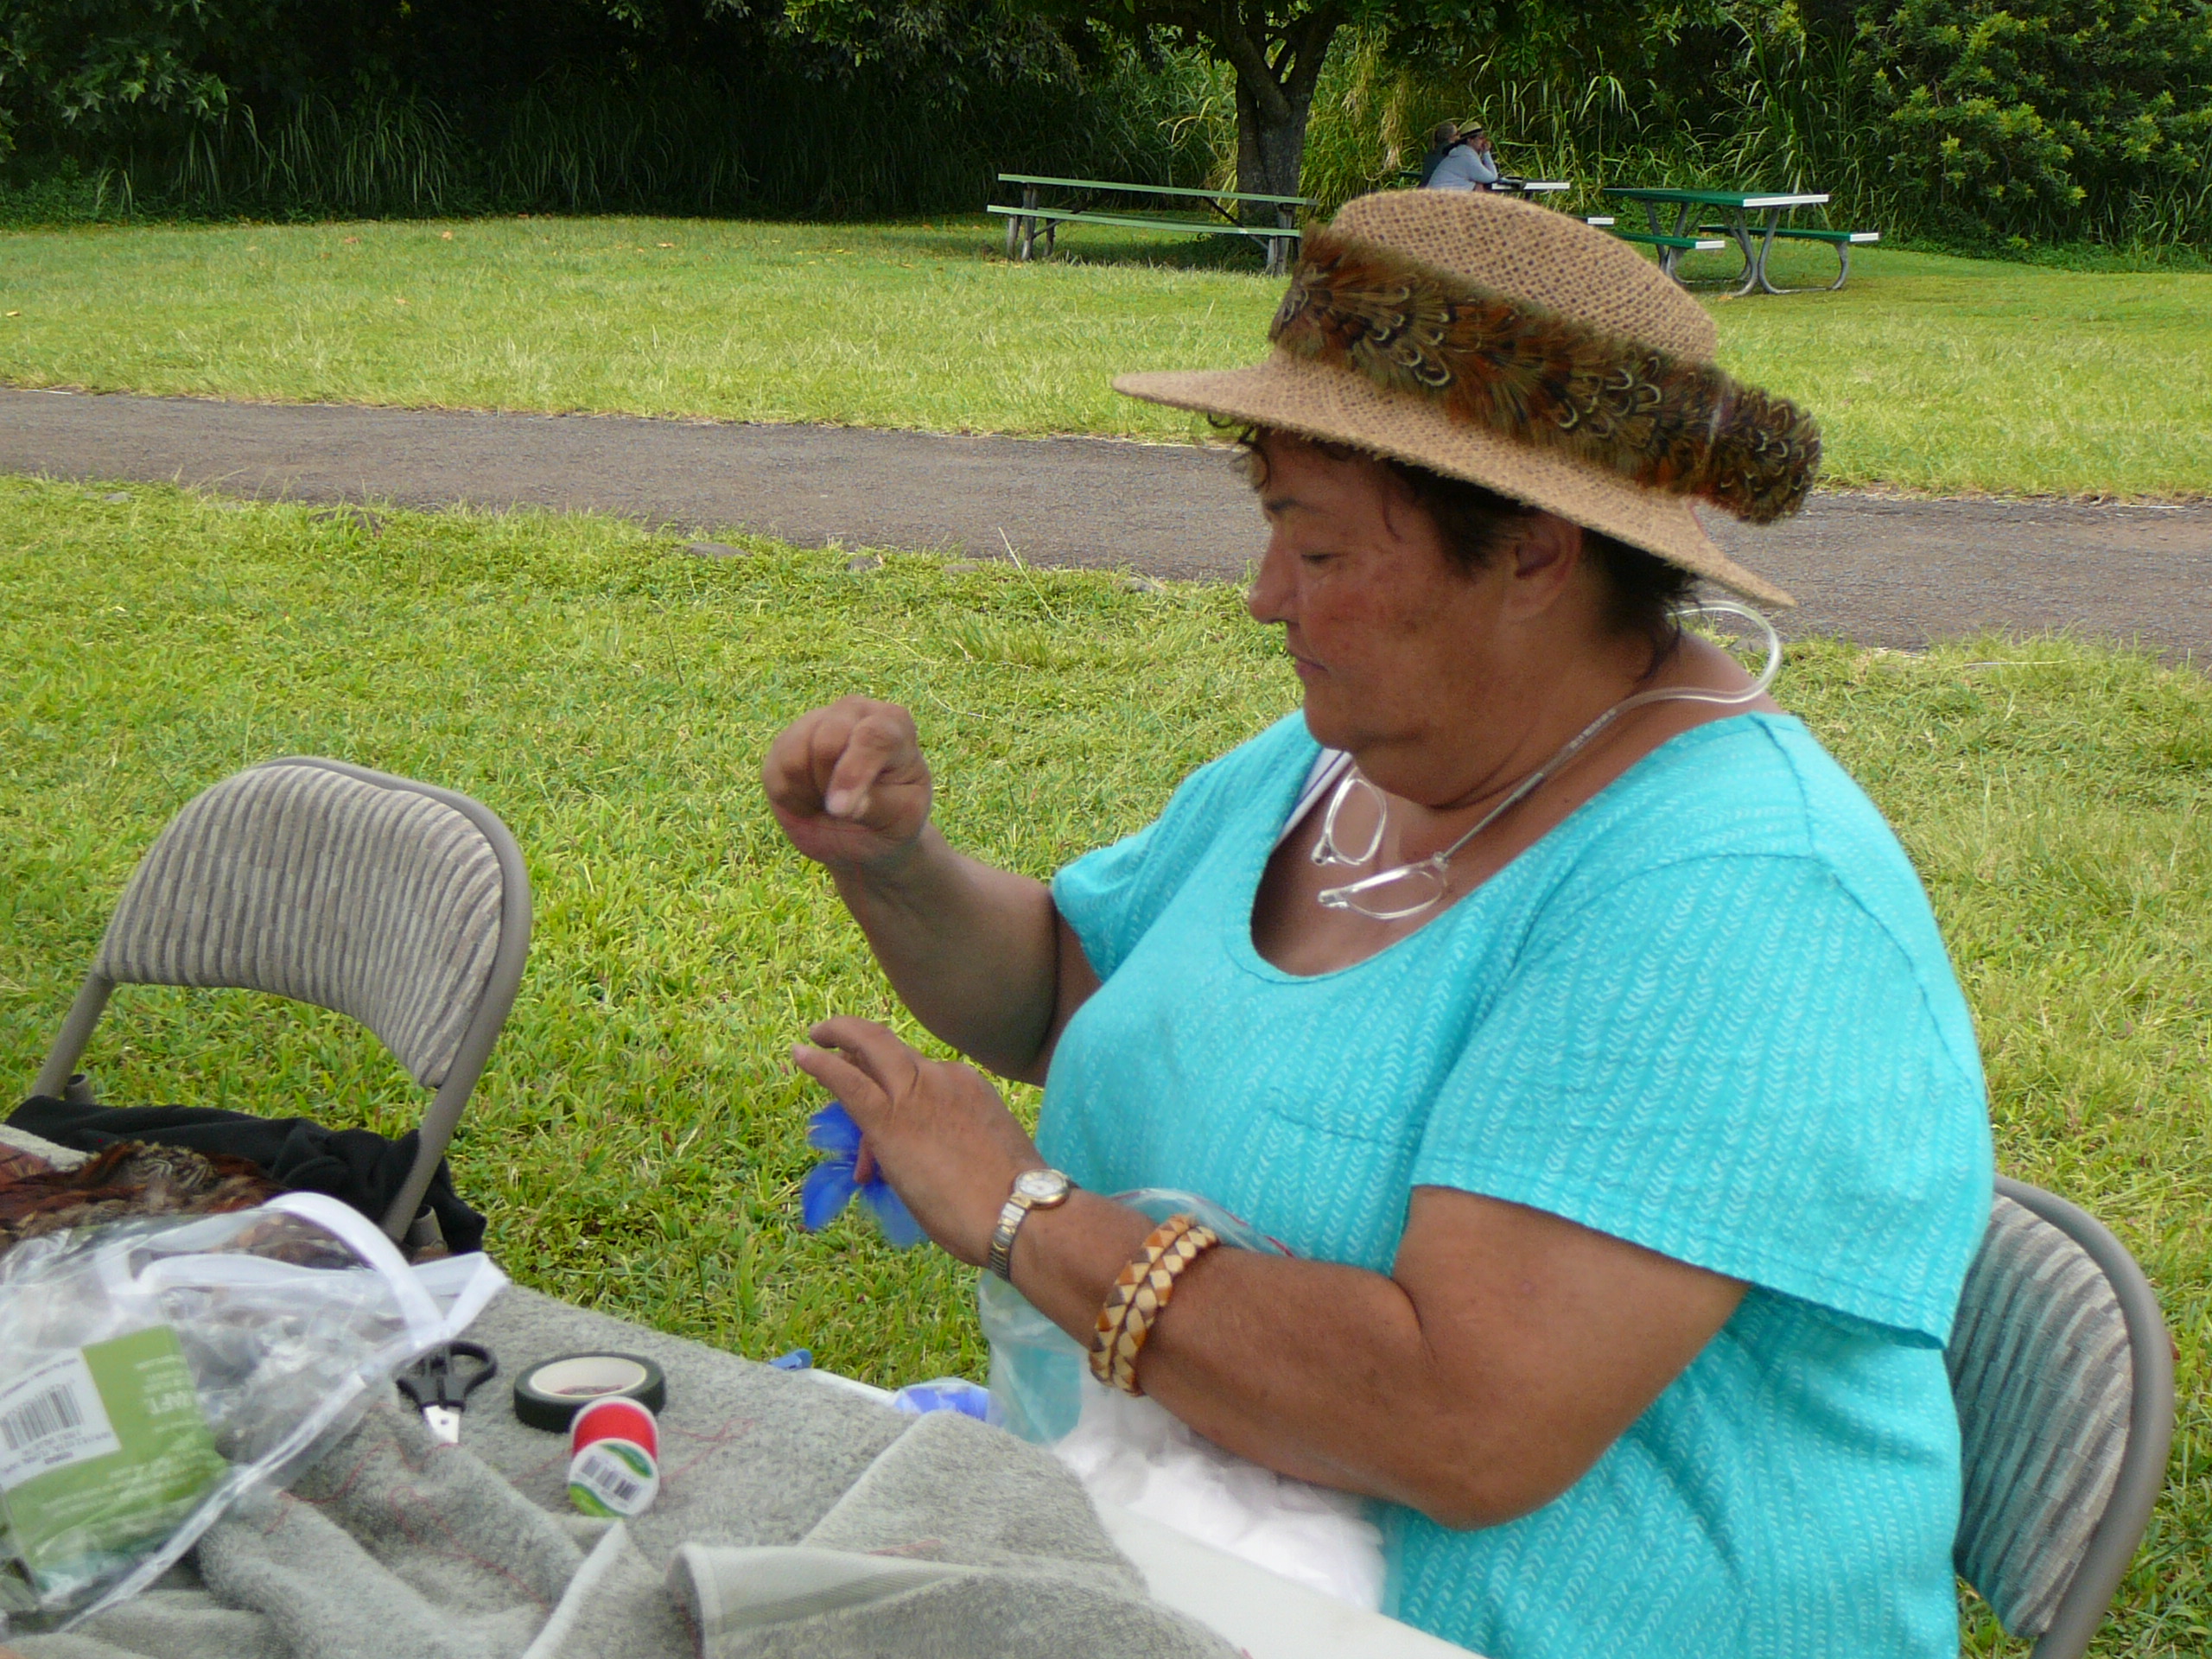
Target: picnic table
[[1409, 179], [1733, 210], [1025, 224]]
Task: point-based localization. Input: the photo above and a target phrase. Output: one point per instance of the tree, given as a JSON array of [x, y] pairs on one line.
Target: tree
[[95, 67], [1275, 47]]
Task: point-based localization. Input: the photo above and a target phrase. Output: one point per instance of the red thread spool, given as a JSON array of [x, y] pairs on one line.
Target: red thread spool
[[614, 1419]]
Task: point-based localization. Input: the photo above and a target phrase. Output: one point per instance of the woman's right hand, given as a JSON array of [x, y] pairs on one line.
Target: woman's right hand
[[849, 783]]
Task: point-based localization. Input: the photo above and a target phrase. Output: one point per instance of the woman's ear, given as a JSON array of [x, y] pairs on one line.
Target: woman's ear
[[1540, 562]]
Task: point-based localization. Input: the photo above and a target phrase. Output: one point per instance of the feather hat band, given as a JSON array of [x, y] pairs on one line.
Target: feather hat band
[[1510, 345], [1658, 420]]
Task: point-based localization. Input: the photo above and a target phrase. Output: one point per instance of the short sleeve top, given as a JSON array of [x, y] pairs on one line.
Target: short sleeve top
[[1710, 1012], [1463, 168]]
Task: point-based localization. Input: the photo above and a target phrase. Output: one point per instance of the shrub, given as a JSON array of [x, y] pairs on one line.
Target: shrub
[[2046, 118], [98, 69]]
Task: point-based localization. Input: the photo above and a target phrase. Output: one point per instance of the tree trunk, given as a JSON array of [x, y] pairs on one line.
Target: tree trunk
[[1270, 145], [1275, 76]]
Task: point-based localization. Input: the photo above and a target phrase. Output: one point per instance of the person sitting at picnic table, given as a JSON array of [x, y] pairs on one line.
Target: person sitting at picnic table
[[1547, 988], [1459, 161]]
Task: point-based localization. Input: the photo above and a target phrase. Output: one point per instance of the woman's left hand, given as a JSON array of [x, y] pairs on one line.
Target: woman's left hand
[[942, 1136]]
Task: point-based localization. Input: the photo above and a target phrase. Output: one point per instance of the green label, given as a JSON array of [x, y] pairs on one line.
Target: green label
[[613, 1477], [102, 1450]]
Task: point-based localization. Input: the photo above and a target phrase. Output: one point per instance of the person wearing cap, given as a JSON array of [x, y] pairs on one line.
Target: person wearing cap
[[1549, 991], [1441, 138]]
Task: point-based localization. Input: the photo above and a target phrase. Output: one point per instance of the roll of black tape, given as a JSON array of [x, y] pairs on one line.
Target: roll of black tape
[[548, 1395]]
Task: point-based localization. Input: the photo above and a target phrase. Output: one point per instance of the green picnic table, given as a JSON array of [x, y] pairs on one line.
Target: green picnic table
[[1734, 210], [1033, 221]]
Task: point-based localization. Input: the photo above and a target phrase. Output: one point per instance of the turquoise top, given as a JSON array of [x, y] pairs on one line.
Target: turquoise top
[[1710, 1012]]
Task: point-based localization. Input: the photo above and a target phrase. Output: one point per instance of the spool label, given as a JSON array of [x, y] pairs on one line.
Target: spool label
[[613, 1479], [614, 1419]]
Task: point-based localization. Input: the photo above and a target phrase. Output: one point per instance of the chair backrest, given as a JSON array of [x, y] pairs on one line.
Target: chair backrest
[[370, 897], [403, 905], [2062, 1373]]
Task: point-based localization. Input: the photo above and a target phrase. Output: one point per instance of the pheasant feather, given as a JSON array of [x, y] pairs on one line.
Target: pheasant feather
[[1664, 421]]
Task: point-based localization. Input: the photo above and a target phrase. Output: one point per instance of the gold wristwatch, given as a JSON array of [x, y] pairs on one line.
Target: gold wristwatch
[[1033, 1188]]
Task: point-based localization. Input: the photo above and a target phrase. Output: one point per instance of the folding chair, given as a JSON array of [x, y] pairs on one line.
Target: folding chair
[[401, 906], [2064, 1373]]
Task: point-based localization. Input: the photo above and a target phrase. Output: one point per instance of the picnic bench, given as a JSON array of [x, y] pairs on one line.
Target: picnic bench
[[1032, 220], [1694, 228]]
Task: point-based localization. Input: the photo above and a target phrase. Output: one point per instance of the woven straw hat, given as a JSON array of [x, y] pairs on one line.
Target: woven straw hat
[[1512, 345]]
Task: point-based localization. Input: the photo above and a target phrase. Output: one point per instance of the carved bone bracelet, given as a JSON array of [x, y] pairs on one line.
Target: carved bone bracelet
[[1139, 1292]]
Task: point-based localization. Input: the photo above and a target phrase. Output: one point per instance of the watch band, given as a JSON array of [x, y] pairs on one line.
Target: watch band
[[1012, 1214]]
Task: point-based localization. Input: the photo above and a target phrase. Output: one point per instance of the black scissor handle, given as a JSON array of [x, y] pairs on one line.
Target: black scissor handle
[[441, 1378]]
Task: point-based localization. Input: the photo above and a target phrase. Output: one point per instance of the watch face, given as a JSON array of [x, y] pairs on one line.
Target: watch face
[[1042, 1186]]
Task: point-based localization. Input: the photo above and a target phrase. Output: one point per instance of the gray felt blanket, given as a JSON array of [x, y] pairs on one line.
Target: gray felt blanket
[[793, 1519]]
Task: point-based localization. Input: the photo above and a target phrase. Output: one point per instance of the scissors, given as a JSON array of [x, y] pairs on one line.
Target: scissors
[[441, 1381]]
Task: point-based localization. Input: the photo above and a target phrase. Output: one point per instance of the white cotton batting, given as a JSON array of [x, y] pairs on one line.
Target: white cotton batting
[[1132, 1451]]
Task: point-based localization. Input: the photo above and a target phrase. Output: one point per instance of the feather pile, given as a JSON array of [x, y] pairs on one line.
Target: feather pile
[[1667, 422], [128, 1180]]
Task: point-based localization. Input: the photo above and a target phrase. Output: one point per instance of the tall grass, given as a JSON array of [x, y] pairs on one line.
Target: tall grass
[[381, 158], [775, 143], [1374, 114]]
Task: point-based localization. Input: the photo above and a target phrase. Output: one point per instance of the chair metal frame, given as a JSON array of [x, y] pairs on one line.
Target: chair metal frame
[[494, 1001], [2142, 1474]]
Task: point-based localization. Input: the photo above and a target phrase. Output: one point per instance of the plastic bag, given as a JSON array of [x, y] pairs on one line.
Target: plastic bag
[[943, 1394], [152, 1373], [1133, 1452], [1038, 1373]]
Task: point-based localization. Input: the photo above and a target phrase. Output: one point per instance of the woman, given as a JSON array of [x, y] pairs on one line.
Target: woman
[[1619, 1099], [1458, 162]]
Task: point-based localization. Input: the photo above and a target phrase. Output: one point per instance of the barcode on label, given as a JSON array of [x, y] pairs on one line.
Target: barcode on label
[[48, 1415], [613, 1477]]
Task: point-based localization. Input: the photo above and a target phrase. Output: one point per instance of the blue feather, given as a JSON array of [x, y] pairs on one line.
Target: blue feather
[[830, 1185], [832, 1129], [900, 1231], [828, 1189]]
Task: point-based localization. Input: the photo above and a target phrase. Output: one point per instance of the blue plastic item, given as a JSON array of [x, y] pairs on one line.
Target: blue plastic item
[[944, 1394], [830, 1185], [799, 1359]]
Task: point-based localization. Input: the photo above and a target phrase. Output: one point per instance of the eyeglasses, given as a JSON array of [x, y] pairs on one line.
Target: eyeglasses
[[1359, 811]]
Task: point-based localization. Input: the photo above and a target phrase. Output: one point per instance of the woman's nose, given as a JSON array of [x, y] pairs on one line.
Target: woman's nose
[[1268, 599]]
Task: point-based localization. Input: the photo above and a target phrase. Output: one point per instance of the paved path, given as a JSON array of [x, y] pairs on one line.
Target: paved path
[[1882, 570]]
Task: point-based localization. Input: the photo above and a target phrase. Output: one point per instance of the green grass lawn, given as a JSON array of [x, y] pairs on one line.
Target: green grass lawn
[[1930, 374], [637, 1140]]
